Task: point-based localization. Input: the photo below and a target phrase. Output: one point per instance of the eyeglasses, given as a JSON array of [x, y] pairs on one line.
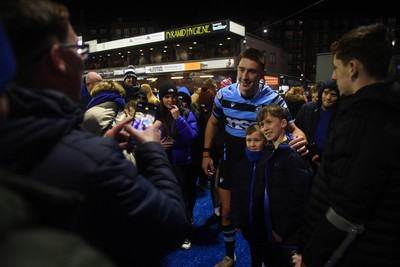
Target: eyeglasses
[[81, 49]]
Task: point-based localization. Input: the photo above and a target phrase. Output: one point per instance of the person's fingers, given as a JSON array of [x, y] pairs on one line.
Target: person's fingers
[[157, 124], [114, 131]]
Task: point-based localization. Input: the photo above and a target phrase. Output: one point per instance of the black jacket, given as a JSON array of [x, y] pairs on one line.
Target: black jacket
[[288, 178], [359, 178], [129, 210], [34, 226], [134, 92], [307, 119]]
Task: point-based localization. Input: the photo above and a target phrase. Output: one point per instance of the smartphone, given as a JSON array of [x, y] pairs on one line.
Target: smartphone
[[145, 115]]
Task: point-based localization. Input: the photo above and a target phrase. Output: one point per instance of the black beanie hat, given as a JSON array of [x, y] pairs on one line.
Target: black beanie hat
[[167, 88]]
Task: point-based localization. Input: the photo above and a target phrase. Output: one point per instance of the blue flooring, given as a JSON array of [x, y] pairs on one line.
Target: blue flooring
[[207, 242]]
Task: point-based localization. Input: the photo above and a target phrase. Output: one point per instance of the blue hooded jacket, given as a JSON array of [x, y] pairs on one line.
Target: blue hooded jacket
[[184, 94]]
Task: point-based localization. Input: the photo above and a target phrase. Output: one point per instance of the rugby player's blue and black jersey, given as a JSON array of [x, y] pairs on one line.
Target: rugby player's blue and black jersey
[[240, 113]]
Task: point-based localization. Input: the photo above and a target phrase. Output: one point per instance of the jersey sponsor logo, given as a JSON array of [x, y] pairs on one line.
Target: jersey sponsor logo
[[238, 124]]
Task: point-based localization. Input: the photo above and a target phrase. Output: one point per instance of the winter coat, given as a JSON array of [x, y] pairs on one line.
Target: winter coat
[[186, 125], [103, 117], [359, 178], [308, 118], [28, 234], [126, 207], [134, 92], [287, 178]]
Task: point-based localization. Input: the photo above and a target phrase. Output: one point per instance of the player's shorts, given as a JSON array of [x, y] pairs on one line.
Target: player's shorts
[[234, 151]]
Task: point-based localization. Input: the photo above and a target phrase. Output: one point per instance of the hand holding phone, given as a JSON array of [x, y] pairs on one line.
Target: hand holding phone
[[144, 115], [152, 134]]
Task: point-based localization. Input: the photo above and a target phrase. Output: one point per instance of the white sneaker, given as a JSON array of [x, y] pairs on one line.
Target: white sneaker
[[186, 244]]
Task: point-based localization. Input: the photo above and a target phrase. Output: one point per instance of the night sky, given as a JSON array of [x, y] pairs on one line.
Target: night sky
[[198, 10]]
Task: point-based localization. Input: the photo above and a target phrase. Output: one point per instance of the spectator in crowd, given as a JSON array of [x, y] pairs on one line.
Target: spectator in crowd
[[195, 97], [28, 235], [353, 217], [211, 84], [225, 82], [105, 110], [151, 98], [89, 81], [131, 85], [126, 208], [295, 99], [238, 105], [315, 117], [314, 93], [179, 130], [185, 101], [106, 107]]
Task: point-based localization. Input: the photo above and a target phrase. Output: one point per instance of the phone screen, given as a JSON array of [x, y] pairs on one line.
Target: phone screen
[[144, 115]]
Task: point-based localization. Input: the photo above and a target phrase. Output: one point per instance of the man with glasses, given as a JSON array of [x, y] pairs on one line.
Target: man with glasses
[[127, 213]]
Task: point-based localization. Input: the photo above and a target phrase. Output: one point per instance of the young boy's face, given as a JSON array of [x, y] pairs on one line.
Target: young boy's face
[[255, 141], [272, 127]]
